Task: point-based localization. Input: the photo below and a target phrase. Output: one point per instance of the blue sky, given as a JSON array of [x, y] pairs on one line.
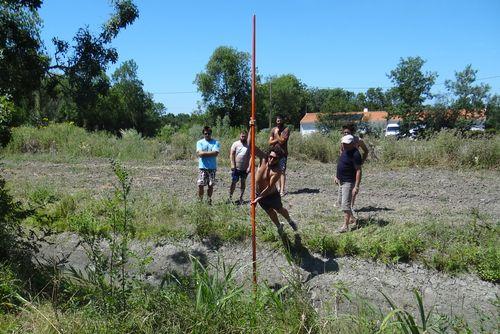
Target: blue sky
[[347, 44]]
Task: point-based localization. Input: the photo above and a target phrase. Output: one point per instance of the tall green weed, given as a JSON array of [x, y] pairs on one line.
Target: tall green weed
[[66, 139]]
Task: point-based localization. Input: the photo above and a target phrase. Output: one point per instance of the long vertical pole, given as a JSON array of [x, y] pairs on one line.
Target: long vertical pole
[[252, 162]]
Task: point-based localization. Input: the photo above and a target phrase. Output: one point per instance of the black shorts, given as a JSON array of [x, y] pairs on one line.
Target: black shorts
[[272, 201]]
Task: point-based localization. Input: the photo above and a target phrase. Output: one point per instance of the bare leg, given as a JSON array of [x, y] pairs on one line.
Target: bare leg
[[231, 190], [286, 215], [353, 219], [282, 183], [274, 218], [347, 219], [200, 192], [210, 191], [242, 187]]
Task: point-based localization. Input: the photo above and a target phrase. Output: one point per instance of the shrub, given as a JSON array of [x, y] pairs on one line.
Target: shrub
[[6, 108], [10, 287], [66, 139], [446, 148]]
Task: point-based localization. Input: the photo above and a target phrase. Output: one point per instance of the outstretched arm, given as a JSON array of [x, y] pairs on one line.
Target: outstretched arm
[[269, 189], [364, 148]]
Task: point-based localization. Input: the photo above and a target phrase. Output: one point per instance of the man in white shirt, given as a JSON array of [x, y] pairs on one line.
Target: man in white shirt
[[240, 161]]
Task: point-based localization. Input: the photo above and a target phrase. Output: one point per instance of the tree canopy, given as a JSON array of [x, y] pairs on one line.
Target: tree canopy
[[225, 85], [412, 88]]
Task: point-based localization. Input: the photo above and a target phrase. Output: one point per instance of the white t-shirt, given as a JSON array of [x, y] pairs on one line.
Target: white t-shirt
[[242, 154]]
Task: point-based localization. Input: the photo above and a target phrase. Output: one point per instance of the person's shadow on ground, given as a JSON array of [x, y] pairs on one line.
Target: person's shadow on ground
[[304, 191], [302, 257]]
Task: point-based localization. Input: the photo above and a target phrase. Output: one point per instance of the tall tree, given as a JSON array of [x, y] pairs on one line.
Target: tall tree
[[85, 64], [285, 96], [469, 98], [225, 85], [376, 99], [493, 112], [412, 88], [127, 105], [22, 63], [330, 103]]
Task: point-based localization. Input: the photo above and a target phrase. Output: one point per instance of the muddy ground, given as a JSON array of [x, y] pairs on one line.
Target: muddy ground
[[393, 196]]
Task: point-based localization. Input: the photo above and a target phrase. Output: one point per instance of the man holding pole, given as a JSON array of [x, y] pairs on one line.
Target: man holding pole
[[268, 197]]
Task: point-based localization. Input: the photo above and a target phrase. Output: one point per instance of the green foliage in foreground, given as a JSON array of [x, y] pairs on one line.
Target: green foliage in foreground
[[210, 300]]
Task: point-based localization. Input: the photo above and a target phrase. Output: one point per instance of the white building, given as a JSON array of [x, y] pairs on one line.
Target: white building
[[308, 124]]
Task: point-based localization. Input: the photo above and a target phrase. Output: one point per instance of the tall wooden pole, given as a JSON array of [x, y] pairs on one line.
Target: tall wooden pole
[[252, 162]]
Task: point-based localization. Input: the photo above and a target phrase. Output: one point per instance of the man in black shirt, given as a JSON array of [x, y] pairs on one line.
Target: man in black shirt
[[348, 178]]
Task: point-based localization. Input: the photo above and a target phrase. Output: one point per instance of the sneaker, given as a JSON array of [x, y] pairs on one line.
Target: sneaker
[[283, 193], [293, 225], [280, 229]]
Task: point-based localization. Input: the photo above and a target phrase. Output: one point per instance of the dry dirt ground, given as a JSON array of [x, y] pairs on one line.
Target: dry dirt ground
[[394, 196]]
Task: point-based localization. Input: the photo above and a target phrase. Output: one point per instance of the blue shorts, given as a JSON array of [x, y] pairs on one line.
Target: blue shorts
[[237, 174], [282, 163]]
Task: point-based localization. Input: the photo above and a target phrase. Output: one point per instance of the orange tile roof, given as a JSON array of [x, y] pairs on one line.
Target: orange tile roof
[[310, 118], [369, 116], [374, 116]]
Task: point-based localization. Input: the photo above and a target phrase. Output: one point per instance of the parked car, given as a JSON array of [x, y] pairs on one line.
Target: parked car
[[416, 130], [477, 127], [392, 129]]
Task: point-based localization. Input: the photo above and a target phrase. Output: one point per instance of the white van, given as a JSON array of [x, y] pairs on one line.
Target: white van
[[392, 130]]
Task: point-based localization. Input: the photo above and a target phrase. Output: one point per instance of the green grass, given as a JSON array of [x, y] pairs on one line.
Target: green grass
[[453, 248], [446, 148], [215, 303], [66, 142]]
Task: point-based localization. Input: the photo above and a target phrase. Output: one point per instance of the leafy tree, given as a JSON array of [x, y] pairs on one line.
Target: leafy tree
[[6, 110], [54, 102], [177, 121], [470, 98], [283, 95], [127, 105], [22, 64], [91, 55], [225, 85], [377, 99], [493, 113], [330, 102], [412, 88]]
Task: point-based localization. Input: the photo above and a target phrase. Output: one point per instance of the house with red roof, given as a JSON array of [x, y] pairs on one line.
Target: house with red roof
[[310, 122]]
